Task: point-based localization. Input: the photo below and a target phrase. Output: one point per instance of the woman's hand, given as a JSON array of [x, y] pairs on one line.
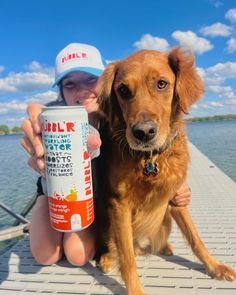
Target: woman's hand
[[32, 140], [182, 197]]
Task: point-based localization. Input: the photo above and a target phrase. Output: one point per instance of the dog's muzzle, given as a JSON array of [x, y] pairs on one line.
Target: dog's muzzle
[[144, 131]]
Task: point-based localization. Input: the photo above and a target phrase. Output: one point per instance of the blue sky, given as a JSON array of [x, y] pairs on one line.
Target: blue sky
[[33, 32]]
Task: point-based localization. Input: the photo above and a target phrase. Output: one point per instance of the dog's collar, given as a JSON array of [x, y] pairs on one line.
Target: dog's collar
[[150, 167]]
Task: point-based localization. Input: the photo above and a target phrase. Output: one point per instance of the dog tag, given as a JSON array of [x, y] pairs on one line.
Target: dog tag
[[150, 168]]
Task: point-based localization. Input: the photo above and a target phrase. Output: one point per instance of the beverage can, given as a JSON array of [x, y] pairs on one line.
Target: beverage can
[[68, 167]]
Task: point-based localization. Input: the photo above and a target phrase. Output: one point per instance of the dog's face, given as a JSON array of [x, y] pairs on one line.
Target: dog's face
[[147, 91]]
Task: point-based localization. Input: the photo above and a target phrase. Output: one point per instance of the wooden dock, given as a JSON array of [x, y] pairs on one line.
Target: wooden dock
[[213, 208]]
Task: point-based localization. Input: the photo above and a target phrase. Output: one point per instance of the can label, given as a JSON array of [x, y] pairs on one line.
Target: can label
[[68, 167]]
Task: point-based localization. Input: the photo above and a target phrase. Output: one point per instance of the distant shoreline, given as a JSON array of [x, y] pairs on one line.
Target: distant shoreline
[[6, 130], [16, 133], [189, 120], [211, 118]]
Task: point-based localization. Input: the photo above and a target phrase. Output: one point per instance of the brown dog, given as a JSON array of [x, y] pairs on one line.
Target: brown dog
[[144, 160]]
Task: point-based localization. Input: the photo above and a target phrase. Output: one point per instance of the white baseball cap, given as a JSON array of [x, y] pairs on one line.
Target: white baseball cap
[[78, 57]]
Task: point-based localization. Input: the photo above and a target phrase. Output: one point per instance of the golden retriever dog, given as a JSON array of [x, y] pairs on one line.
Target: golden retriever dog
[[144, 160]]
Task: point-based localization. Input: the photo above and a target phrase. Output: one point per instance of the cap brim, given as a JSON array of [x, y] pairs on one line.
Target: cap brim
[[93, 71]]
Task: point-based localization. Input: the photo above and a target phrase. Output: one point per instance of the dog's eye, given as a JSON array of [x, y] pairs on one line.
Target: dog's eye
[[161, 84], [124, 91]]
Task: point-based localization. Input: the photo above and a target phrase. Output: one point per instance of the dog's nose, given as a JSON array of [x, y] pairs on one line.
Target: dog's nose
[[144, 131]]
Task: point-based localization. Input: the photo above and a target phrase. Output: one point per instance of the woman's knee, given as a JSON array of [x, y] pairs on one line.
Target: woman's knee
[[79, 248], [47, 257], [79, 257]]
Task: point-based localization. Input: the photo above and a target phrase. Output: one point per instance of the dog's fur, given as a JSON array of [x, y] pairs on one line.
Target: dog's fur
[[133, 212]]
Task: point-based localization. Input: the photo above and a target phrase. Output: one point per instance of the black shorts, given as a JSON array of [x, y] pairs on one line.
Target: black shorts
[[39, 187]]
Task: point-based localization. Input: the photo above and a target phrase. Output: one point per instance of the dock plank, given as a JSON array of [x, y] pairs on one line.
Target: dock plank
[[213, 208]]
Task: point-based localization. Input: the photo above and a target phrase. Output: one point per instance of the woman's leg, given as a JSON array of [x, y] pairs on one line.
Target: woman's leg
[[79, 247], [45, 242]]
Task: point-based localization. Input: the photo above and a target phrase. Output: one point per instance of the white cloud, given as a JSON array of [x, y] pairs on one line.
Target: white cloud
[[108, 61], [16, 106], [213, 108], [25, 82], [43, 98], [201, 72], [214, 78], [36, 78], [225, 70], [231, 45], [31, 85], [210, 79], [35, 66], [231, 95], [215, 104], [204, 106], [13, 110], [189, 38], [231, 102], [231, 15], [149, 42], [216, 3], [223, 92], [6, 87], [218, 89], [223, 95], [2, 68], [217, 29], [15, 120], [209, 105], [13, 105], [3, 110]]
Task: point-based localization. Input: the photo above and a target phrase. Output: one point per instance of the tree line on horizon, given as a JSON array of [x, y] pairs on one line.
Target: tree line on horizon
[[4, 130], [212, 118]]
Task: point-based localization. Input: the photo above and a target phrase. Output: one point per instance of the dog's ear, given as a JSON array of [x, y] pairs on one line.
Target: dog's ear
[[189, 86], [107, 100]]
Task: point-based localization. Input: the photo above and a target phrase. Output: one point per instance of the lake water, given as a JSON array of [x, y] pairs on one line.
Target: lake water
[[217, 140], [17, 181]]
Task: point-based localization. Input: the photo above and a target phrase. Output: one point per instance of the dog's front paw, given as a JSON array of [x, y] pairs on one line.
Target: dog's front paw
[[167, 250], [139, 251], [222, 272], [105, 262]]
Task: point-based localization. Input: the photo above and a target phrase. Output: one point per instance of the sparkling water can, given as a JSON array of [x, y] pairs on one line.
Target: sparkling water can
[[68, 167]]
